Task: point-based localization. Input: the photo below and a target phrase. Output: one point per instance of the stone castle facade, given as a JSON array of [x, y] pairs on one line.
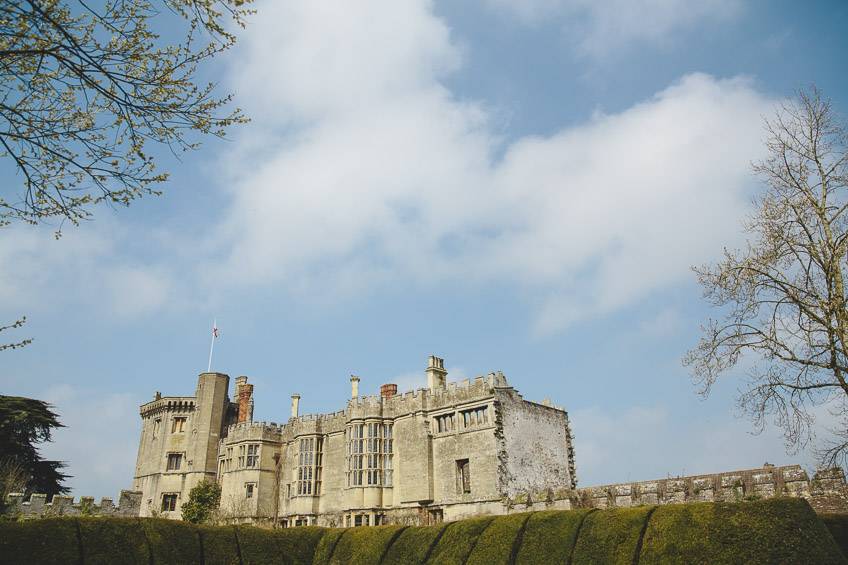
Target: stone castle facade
[[445, 452]]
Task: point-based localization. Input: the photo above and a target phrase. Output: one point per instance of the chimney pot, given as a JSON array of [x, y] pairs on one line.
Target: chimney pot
[[295, 405]]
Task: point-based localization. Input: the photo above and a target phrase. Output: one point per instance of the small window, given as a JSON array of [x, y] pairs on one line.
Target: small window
[[463, 476], [169, 502], [156, 425], [174, 461], [178, 425], [249, 490]]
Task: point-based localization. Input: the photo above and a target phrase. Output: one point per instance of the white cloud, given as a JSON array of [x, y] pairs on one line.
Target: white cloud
[[602, 27], [393, 182], [90, 264], [362, 172]]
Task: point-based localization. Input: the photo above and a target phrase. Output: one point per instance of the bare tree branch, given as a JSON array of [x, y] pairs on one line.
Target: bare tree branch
[[783, 297]]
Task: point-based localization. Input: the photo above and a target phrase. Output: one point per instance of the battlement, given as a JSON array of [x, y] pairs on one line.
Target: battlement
[[827, 492], [251, 431], [129, 503], [167, 404]]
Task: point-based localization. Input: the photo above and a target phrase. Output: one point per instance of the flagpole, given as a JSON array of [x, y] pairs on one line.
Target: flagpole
[[214, 331]]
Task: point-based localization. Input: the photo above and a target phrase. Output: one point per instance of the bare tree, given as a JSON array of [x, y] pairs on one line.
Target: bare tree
[[783, 296]]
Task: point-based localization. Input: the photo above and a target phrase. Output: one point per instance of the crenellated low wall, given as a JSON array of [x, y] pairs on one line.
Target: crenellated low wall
[[827, 492], [37, 506]]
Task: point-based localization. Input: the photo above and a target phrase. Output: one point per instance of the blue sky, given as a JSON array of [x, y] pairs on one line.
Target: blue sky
[[510, 186]]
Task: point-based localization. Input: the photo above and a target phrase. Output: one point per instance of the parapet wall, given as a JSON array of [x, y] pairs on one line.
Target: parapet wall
[[827, 492], [129, 504]]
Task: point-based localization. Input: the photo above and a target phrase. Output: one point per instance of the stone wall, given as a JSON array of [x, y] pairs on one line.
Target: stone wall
[[129, 504], [827, 492]]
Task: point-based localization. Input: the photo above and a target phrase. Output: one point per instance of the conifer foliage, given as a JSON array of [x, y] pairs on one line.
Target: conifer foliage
[[24, 423]]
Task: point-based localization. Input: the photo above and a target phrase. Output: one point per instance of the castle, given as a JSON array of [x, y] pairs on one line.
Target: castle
[[444, 452]]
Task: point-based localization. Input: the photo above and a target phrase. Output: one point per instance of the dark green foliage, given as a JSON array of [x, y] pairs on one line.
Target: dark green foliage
[[324, 551], [299, 544], [769, 531], [25, 422], [365, 546], [219, 545], [837, 525], [172, 541], [48, 541], [497, 542], [610, 536], [113, 540], [203, 498], [414, 544], [259, 546], [549, 537], [780, 530], [458, 541]]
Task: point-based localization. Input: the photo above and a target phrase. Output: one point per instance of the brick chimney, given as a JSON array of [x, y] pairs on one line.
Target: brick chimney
[[244, 392], [388, 390], [354, 386]]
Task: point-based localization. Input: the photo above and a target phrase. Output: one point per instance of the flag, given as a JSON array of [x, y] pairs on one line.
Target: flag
[[215, 329]]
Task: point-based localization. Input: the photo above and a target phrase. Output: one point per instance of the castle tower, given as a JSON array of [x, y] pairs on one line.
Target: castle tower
[[179, 444]]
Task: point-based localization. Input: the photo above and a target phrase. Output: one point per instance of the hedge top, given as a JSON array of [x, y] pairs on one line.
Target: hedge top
[[768, 531]]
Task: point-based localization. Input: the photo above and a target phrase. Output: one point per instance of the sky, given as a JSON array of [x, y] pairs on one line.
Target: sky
[[513, 186]]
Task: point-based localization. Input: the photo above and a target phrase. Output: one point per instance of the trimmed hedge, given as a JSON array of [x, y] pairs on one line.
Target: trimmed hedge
[[220, 546], [415, 544], [498, 544], [113, 540], [173, 542], [365, 546], [837, 525], [549, 537], [768, 531], [457, 541], [51, 541], [610, 536]]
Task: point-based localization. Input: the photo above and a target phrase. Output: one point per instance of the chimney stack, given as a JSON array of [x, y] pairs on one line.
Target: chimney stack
[[388, 390], [295, 405], [354, 386], [436, 374], [244, 393]]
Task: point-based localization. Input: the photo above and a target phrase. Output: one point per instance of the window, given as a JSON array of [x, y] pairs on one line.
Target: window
[[252, 455], [475, 417], [463, 476], [178, 425], [446, 423], [169, 502], [249, 490], [310, 466], [174, 461], [361, 520], [370, 455], [157, 423]]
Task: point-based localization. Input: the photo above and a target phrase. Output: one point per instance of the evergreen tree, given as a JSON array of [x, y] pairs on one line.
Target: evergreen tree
[[25, 422]]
